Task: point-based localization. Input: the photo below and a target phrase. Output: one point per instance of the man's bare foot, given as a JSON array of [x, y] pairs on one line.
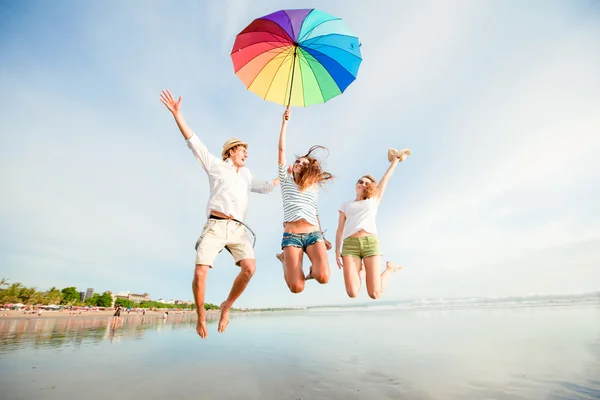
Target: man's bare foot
[[391, 267], [224, 320], [279, 256], [201, 328]]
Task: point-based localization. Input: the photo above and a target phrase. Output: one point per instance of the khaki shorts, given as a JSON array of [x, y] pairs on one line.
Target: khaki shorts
[[220, 234], [361, 247]]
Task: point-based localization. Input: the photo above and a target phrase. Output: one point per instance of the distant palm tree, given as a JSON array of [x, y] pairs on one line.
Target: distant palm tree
[[52, 296], [36, 298], [3, 282], [27, 295], [11, 294]]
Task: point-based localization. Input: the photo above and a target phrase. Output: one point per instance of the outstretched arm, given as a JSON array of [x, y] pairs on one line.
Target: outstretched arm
[[386, 177], [338, 239], [175, 107], [284, 122], [263, 187], [198, 148]]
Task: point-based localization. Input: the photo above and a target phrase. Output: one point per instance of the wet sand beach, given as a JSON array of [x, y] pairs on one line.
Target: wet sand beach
[[506, 353]]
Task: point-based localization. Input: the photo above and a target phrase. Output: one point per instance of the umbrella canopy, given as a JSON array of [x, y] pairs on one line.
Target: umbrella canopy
[[297, 57]]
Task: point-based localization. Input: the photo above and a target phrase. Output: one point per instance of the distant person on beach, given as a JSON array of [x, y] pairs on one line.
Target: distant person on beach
[[230, 184], [302, 231], [116, 316], [356, 239]]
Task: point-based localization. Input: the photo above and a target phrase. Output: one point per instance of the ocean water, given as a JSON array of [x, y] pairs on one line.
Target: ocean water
[[543, 352]]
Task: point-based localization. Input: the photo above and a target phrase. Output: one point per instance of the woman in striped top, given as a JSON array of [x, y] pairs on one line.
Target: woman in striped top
[[301, 226]]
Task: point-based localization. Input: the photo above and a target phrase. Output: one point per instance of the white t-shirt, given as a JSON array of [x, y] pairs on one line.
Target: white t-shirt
[[360, 215]]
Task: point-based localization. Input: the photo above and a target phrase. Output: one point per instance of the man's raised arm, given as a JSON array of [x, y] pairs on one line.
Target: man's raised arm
[[174, 106], [198, 148]]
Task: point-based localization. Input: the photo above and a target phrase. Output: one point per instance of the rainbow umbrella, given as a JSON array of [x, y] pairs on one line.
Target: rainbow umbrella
[[296, 57]]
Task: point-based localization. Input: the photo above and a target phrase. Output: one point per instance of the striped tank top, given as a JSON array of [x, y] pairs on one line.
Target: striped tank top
[[298, 205]]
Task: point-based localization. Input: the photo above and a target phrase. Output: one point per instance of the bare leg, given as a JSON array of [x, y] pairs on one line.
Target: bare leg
[[280, 257], [248, 267], [376, 283], [385, 275], [198, 288], [319, 270], [362, 271], [352, 276], [291, 261]]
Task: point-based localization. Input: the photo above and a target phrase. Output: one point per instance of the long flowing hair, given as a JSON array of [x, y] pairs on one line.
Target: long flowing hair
[[371, 190], [312, 174]]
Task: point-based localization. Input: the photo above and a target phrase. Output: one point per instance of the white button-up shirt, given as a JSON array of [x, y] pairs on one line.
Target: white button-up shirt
[[229, 189]]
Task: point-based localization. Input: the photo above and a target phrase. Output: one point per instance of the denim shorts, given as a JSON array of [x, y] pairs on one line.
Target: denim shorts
[[302, 240]]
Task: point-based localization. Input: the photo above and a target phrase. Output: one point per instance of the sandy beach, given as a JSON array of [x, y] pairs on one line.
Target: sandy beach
[[13, 314], [335, 354]]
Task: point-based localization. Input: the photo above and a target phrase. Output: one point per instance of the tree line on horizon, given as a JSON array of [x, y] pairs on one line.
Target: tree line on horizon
[[69, 296]]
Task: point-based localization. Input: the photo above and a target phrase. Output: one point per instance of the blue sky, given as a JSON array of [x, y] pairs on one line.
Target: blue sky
[[498, 102]]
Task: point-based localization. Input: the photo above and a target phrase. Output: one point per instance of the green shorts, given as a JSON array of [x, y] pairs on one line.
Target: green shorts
[[361, 247]]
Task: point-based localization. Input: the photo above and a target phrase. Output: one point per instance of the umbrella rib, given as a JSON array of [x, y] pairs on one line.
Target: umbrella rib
[[266, 51], [335, 61], [285, 35], [317, 25], [291, 24], [316, 80], [275, 44], [275, 36], [280, 65], [333, 47], [327, 45], [291, 39], [293, 73], [279, 47], [264, 66], [329, 34]]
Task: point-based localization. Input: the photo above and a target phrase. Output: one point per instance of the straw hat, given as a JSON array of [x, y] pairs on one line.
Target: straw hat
[[231, 143]]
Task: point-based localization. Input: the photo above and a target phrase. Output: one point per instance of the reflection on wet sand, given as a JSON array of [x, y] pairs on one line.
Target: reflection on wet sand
[[38, 333], [16, 334]]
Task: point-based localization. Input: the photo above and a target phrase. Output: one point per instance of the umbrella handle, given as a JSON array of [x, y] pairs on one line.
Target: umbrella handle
[[293, 71]]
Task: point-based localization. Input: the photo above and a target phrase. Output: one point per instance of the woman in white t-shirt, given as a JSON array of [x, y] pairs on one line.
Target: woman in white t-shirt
[[301, 226], [356, 240]]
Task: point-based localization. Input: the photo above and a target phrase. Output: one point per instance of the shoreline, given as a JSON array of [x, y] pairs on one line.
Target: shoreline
[[85, 314], [12, 314]]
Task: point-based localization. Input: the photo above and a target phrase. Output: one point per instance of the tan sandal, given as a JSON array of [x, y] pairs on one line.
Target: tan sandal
[[400, 154]]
